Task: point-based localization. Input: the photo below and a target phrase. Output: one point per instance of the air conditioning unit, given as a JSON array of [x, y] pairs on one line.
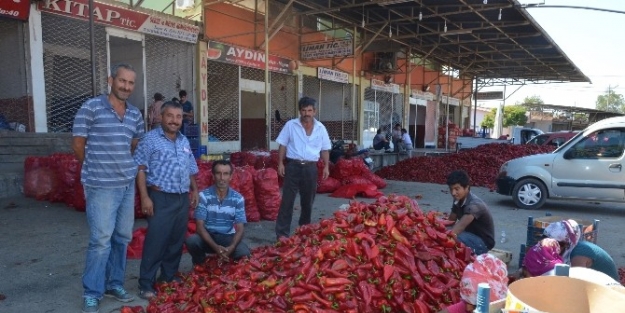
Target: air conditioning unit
[[185, 4]]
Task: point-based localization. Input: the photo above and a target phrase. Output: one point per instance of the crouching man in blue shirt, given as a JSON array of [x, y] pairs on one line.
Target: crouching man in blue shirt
[[220, 219]]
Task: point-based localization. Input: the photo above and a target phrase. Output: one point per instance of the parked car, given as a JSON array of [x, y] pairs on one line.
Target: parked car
[[520, 135], [555, 139], [587, 167]]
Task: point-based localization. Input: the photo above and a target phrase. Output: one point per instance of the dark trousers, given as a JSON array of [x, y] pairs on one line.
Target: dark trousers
[[302, 178], [382, 144], [198, 248], [164, 238]]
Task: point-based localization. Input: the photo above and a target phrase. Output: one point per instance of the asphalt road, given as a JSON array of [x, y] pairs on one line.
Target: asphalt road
[[42, 245]]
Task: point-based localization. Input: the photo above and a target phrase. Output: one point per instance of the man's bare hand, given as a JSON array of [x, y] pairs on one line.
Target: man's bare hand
[[281, 169]]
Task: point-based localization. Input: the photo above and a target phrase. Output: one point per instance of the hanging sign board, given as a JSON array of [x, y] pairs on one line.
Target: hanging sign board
[[123, 18], [226, 53], [332, 75], [17, 9], [418, 94], [327, 50], [382, 86], [490, 95]]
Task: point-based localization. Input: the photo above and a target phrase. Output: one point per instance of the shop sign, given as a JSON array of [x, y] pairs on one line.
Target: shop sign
[[203, 84], [452, 101], [327, 50], [17, 9], [123, 18], [226, 53], [332, 75], [418, 94], [490, 95], [382, 86]]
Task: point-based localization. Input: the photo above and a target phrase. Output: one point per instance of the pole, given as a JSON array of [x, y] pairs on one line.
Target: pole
[[267, 89], [353, 115], [475, 108], [94, 86], [447, 109]]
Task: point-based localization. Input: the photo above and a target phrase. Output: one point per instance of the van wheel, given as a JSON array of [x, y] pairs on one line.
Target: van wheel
[[529, 194]]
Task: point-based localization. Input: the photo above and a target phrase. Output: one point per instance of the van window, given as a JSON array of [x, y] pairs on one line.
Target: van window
[[608, 143]]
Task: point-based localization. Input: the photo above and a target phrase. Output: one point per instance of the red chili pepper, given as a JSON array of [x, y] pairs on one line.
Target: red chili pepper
[[279, 302], [281, 289], [433, 267], [364, 292], [435, 292], [421, 307], [307, 297], [244, 305], [329, 281], [390, 223], [308, 286], [398, 236], [339, 265], [382, 219], [388, 272], [327, 304]]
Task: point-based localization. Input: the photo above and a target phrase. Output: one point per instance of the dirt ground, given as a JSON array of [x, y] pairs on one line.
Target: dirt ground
[[42, 245]]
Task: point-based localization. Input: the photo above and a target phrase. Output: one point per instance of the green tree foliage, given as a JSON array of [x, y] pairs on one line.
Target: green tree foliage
[[532, 103], [488, 121], [513, 115], [611, 102]]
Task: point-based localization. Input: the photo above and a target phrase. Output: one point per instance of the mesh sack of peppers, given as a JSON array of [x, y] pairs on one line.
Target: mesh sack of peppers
[[387, 256]]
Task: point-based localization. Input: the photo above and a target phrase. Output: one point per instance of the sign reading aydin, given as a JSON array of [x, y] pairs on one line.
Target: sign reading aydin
[[226, 53], [18, 9], [123, 18], [326, 50], [332, 75]]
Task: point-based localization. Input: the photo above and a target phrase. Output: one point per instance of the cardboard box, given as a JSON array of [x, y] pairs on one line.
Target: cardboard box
[[543, 222], [503, 255]]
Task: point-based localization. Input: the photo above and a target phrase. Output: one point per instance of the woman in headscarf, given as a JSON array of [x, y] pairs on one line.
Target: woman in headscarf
[[485, 269], [578, 252], [542, 258]]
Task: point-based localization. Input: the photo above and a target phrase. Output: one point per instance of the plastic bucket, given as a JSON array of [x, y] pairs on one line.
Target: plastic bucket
[[558, 294]]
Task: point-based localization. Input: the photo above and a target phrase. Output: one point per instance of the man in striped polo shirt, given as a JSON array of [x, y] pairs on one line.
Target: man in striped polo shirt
[[167, 170], [106, 131], [219, 218]]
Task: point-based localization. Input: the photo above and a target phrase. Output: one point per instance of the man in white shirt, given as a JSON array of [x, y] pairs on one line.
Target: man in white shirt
[[302, 141], [406, 142]]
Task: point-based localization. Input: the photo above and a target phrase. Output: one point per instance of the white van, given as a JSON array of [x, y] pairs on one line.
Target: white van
[[587, 167]]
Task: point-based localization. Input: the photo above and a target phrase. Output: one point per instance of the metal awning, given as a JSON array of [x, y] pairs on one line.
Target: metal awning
[[496, 41]]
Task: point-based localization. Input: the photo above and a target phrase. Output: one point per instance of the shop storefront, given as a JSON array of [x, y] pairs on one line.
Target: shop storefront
[[383, 108], [161, 48], [333, 92], [236, 114], [16, 109]]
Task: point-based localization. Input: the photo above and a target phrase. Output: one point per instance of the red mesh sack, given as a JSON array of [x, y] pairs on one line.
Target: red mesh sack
[[355, 180], [375, 179], [351, 191], [327, 185], [267, 193], [244, 177], [135, 248]]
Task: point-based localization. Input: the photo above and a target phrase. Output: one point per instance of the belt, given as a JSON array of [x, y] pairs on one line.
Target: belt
[[156, 188], [300, 162]]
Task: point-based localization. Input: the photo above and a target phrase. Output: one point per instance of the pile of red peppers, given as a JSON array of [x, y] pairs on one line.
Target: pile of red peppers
[[387, 256], [481, 163]]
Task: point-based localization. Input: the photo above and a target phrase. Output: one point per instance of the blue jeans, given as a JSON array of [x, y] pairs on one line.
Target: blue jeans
[[473, 241], [110, 216]]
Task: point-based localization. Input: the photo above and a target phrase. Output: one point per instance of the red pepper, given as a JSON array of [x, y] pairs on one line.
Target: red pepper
[[423, 270], [390, 223], [307, 297], [281, 289], [364, 292], [388, 272], [329, 282], [433, 267], [398, 236], [308, 286], [421, 307], [279, 302], [339, 265], [327, 304], [433, 291], [244, 305], [382, 219]]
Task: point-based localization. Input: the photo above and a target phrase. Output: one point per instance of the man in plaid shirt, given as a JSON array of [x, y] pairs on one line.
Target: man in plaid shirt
[[167, 170]]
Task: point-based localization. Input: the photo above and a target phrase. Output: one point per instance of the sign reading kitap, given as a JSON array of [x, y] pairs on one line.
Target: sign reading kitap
[[123, 18], [17, 9], [247, 57]]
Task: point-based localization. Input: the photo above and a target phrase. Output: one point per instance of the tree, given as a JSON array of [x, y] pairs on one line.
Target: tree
[[611, 102], [532, 103], [513, 115], [488, 121]]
